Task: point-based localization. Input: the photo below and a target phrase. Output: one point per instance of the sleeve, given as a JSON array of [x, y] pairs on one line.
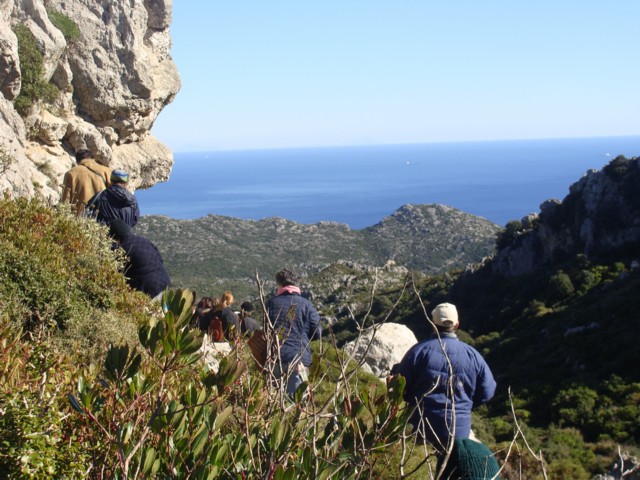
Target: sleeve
[[315, 330], [405, 368], [66, 188], [136, 212], [485, 384]]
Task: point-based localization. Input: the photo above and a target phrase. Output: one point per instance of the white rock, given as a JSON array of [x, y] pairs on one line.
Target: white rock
[[390, 343]]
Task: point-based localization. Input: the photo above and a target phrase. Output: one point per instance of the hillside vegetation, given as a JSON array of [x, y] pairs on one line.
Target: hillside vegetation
[[79, 398], [215, 252], [554, 312]]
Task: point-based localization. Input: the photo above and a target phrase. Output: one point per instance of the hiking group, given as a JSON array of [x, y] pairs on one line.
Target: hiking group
[[96, 191], [445, 377]]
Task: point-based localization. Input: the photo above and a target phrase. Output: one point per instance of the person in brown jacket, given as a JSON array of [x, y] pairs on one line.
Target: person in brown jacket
[[84, 180]]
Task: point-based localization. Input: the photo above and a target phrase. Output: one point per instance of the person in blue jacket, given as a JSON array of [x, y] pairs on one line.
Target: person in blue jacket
[[444, 401], [296, 323], [144, 268], [115, 202]]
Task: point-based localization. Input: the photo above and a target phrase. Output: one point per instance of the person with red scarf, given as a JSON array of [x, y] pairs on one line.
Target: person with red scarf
[[296, 323]]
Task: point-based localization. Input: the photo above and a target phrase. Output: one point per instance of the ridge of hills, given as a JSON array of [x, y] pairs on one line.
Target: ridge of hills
[[220, 253]]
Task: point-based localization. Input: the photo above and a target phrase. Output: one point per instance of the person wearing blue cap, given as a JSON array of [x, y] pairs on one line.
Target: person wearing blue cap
[[116, 202]]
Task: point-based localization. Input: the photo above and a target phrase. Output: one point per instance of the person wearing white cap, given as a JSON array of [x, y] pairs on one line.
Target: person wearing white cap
[[445, 379]]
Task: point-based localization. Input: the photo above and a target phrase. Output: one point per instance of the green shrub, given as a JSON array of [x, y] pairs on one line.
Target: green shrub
[[67, 26], [574, 406], [617, 167], [505, 237], [37, 438], [560, 287], [6, 160], [153, 414], [58, 273], [34, 87]]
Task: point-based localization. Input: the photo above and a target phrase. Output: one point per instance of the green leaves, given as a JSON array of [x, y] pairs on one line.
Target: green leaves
[[119, 365]]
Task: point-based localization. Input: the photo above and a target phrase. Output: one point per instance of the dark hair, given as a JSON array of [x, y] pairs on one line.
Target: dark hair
[[247, 306], [286, 277], [205, 302], [82, 154]]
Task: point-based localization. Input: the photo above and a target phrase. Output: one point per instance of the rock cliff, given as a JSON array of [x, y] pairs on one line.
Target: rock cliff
[[109, 68], [599, 218]]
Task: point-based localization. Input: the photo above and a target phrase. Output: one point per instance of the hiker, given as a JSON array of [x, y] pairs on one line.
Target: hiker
[[84, 180], [427, 368], [248, 325], [144, 268], [115, 202], [230, 321], [203, 313], [469, 460], [296, 323]]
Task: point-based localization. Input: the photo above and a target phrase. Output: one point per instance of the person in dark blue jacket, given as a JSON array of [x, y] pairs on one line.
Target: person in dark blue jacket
[[296, 322], [115, 202], [443, 402], [144, 267]]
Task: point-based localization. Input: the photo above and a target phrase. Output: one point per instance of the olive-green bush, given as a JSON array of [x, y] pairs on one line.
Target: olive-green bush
[[66, 25], [34, 87]]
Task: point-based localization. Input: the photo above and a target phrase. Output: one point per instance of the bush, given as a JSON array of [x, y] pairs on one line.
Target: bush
[[34, 87], [617, 167], [147, 414], [59, 274], [68, 27], [506, 236], [560, 287], [37, 438]]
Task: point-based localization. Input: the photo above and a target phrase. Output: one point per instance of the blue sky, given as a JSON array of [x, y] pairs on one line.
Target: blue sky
[[275, 74]]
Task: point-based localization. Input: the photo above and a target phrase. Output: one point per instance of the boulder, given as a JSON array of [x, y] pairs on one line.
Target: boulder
[[213, 352], [382, 348]]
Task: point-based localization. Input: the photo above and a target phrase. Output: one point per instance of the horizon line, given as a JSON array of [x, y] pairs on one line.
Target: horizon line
[[391, 144]]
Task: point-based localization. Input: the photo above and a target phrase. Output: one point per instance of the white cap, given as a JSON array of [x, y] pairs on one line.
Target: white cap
[[445, 315]]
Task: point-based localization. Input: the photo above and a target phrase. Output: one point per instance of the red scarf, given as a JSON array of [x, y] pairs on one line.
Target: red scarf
[[291, 289]]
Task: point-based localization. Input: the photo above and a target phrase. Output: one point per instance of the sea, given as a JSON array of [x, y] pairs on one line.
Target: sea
[[360, 185]]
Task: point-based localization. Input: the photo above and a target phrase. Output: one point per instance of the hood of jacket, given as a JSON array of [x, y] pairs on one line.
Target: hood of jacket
[[120, 197]]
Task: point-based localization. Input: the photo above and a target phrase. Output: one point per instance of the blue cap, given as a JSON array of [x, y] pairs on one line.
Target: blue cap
[[119, 176]]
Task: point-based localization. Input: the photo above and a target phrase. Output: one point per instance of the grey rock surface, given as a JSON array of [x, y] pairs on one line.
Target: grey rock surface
[[600, 215], [113, 81]]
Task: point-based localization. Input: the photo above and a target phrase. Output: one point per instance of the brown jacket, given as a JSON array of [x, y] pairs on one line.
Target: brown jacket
[[83, 181]]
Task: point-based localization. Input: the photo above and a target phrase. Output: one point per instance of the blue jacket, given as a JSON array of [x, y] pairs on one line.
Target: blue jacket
[[297, 323], [115, 202], [144, 268], [425, 368]]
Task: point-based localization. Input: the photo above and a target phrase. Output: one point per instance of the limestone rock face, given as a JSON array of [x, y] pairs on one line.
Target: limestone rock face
[[599, 216], [389, 344], [113, 81]]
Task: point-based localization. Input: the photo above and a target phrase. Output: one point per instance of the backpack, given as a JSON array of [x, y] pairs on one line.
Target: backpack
[[215, 329], [91, 208]]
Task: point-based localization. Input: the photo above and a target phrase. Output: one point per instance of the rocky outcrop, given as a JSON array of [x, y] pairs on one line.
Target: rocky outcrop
[[383, 348], [443, 230], [113, 76], [599, 217]]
